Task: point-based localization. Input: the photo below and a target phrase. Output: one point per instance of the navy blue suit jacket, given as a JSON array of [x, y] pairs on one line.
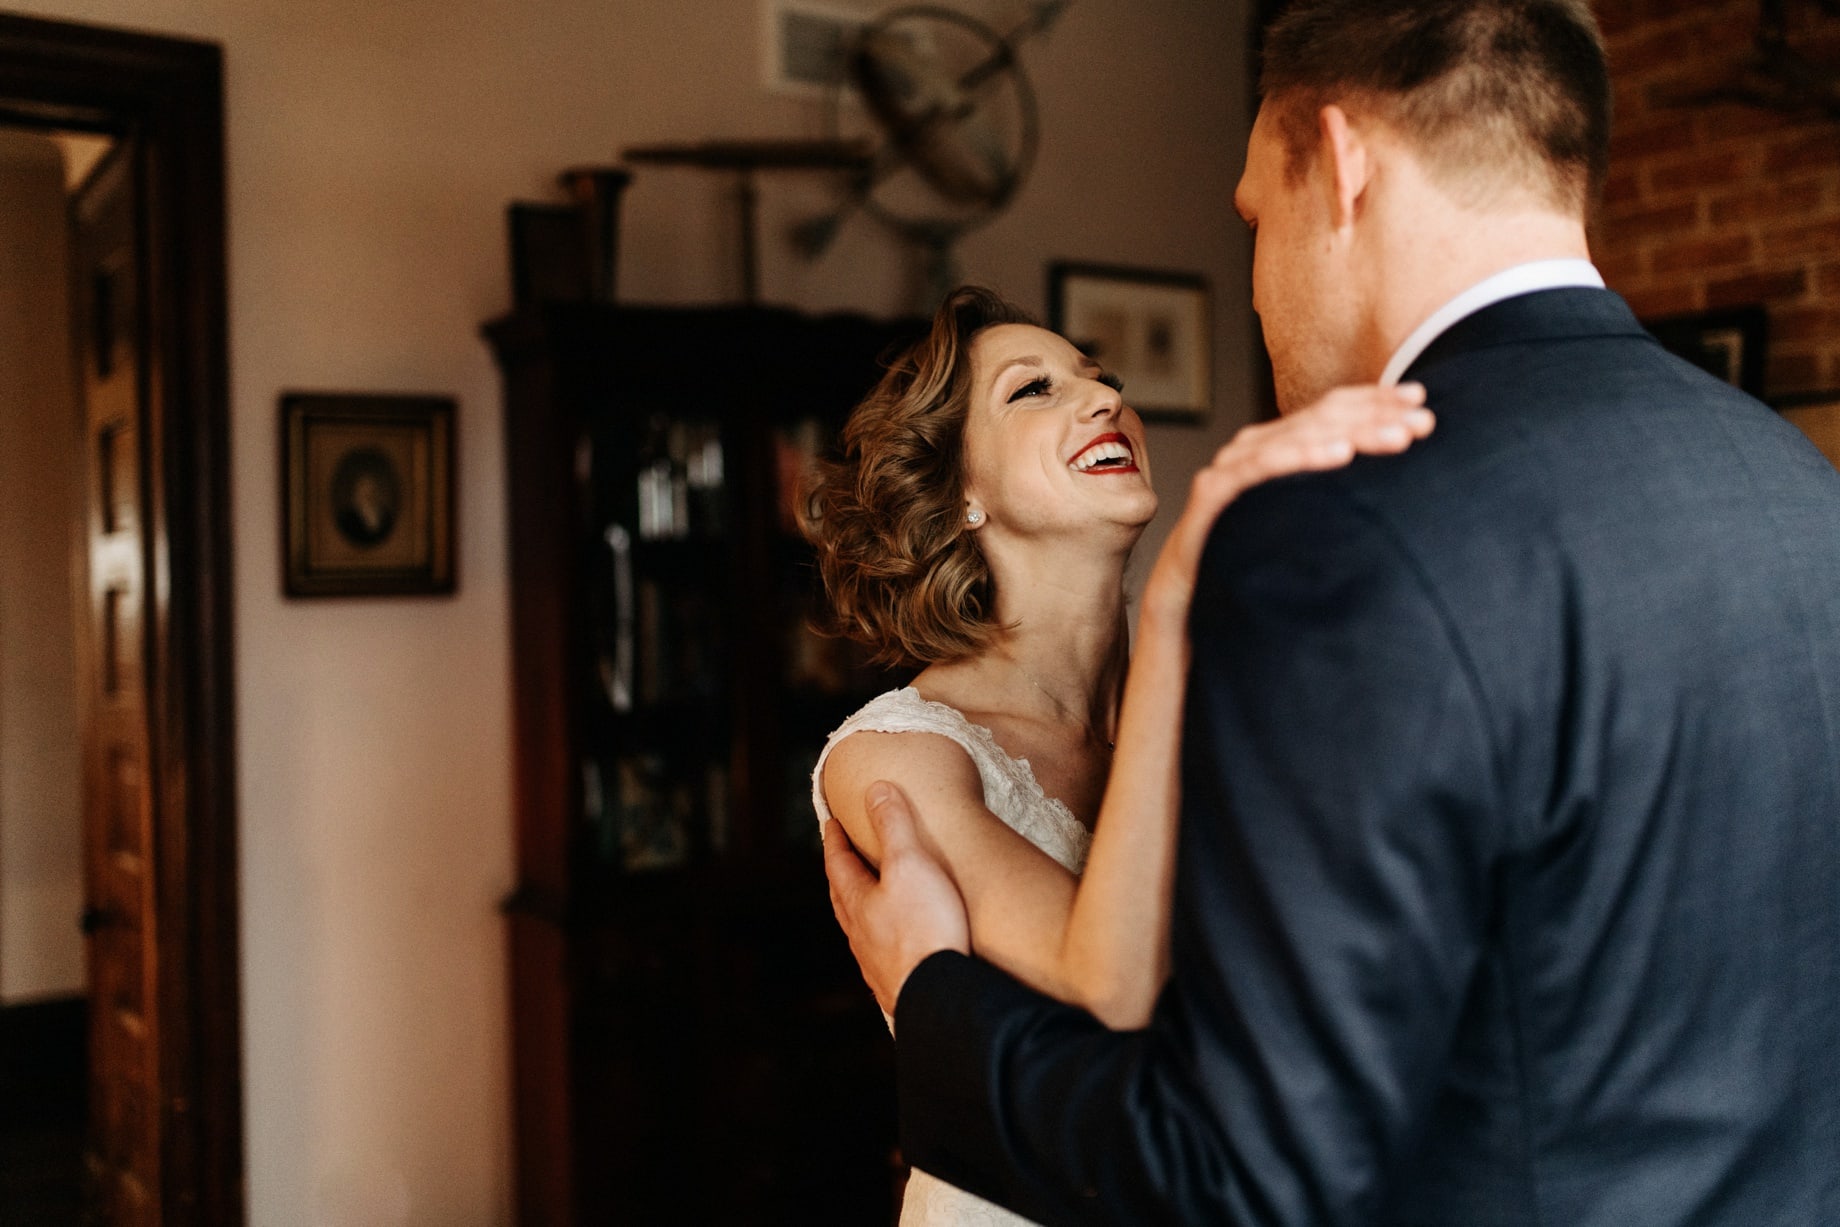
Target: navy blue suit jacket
[[1509, 875]]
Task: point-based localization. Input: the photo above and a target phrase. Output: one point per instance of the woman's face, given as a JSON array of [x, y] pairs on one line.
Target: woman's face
[[1049, 442]]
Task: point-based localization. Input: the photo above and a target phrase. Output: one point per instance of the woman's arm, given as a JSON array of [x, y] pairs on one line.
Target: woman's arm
[[1018, 898], [1101, 941], [1115, 949]]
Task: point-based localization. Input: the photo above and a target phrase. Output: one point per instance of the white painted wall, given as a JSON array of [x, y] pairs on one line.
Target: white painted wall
[[372, 149], [41, 832]]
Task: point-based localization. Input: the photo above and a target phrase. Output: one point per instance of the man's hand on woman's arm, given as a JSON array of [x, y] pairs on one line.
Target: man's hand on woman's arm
[[911, 910]]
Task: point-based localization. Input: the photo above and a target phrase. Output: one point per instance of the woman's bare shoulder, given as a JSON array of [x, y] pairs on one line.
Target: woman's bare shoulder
[[936, 773], [910, 758]]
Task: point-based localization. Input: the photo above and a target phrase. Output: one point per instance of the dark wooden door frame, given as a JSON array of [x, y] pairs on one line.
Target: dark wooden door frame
[[169, 93]]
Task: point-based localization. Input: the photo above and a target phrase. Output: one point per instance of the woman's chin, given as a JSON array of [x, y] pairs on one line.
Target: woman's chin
[[1141, 510], [1131, 526]]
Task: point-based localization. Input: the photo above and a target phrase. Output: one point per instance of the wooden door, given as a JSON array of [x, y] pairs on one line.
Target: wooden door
[[123, 1155]]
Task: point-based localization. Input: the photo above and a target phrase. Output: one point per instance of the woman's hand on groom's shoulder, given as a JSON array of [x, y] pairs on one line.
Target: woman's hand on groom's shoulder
[[1366, 419]]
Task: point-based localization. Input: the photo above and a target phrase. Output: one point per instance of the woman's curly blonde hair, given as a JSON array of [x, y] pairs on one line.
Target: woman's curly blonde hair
[[887, 512]]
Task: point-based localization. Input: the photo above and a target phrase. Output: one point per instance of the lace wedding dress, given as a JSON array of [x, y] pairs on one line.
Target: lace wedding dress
[[1012, 794]]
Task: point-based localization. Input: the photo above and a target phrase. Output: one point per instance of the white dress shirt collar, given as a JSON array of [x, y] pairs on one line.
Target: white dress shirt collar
[[1509, 283]]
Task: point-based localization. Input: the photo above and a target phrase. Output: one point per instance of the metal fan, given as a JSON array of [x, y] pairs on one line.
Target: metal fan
[[955, 128]]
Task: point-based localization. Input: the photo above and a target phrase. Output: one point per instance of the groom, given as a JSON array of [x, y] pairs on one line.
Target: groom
[[1509, 885]]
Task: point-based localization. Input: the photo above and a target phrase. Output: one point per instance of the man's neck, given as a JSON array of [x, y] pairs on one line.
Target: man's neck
[[1432, 264]]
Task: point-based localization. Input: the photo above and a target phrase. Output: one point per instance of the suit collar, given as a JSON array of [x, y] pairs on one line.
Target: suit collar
[[1510, 282], [1566, 314]]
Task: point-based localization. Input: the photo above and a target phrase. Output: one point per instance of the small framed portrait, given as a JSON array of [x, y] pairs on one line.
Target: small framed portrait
[[367, 499], [1152, 329], [1728, 343]]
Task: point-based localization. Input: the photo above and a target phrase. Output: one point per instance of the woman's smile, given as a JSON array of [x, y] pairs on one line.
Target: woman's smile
[[1109, 453]]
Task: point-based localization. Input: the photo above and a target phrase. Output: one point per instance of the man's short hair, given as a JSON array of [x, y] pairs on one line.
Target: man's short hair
[[1494, 94]]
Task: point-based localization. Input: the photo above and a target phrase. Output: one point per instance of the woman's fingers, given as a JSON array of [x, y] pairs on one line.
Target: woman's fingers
[[1328, 434], [1342, 424]]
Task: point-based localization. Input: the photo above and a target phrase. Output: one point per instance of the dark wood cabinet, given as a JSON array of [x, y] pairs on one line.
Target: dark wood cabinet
[[692, 1043]]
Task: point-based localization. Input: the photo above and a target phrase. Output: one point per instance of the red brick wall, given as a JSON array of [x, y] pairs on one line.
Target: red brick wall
[[1716, 204]]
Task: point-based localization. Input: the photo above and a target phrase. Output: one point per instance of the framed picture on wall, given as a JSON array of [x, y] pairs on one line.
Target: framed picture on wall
[[1153, 329], [1728, 343], [1818, 416], [367, 498]]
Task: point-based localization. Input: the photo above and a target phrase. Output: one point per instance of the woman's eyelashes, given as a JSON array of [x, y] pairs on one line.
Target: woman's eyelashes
[[1035, 387], [1043, 386]]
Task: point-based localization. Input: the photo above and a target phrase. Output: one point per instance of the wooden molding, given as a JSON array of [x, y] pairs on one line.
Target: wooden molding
[[170, 92]]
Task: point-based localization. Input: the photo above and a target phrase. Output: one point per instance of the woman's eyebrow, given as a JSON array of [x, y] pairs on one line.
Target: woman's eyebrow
[[1028, 360]]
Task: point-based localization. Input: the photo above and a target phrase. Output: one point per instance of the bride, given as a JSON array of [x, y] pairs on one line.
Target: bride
[[977, 524]]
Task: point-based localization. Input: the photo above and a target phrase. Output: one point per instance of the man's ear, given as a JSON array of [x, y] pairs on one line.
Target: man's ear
[[1344, 158]]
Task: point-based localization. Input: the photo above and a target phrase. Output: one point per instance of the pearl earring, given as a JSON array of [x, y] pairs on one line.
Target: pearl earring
[[974, 516]]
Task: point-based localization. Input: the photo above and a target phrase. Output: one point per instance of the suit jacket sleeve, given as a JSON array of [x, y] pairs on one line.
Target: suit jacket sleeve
[[1340, 817]]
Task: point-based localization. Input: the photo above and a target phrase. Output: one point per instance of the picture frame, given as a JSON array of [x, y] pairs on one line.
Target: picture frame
[[1728, 343], [367, 494], [1151, 328], [1818, 416]]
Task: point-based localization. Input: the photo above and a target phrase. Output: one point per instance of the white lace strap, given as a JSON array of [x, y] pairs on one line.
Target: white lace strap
[[904, 711]]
